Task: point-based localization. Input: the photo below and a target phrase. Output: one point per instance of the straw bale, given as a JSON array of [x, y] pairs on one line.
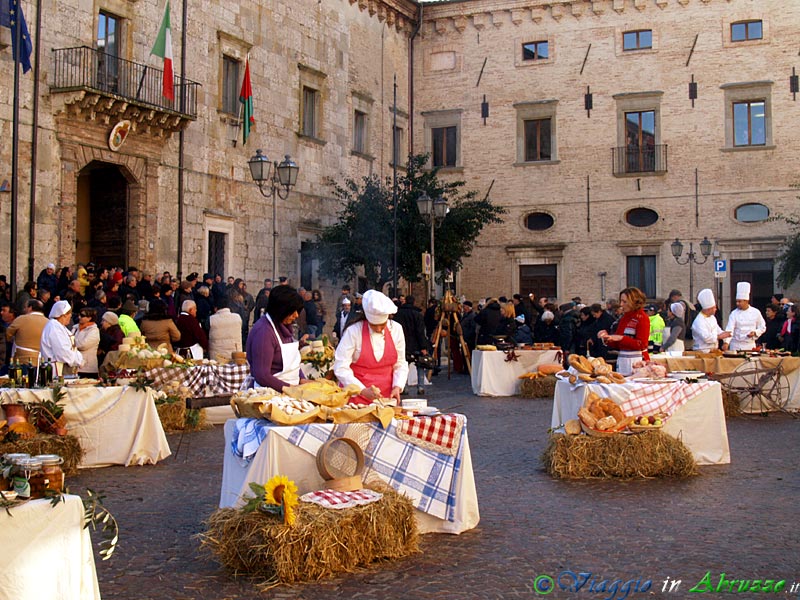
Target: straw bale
[[731, 404], [648, 454], [541, 387], [321, 543], [67, 447], [176, 417]]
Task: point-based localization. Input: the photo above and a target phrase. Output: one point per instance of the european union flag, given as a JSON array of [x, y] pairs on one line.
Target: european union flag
[[11, 16]]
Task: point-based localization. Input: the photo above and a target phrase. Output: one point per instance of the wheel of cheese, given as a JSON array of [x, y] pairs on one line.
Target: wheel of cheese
[[550, 369]]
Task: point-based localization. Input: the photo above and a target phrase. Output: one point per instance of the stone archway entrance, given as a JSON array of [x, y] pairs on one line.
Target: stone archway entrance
[[102, 215]]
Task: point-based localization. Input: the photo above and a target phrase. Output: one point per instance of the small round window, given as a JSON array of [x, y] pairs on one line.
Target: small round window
[[752, 213], [641, 217], [539, 221]]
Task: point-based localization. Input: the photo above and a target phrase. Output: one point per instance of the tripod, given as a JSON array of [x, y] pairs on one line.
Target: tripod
[[450, 309]]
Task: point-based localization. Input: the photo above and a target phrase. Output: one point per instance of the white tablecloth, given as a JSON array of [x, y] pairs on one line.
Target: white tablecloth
[[277, 456], [699, 424], [115, 425], [493, 376], [47, 554]]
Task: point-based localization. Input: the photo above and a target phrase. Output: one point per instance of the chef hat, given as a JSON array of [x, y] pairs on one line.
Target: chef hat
[[677, 309], [743, 290], [706, 298], [377, 307], [59, 309]]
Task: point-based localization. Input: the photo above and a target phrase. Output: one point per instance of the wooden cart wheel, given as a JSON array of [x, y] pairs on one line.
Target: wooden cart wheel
[[759, 390]]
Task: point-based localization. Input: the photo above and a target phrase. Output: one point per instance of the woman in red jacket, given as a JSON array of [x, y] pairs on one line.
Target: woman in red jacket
[[632, 332]]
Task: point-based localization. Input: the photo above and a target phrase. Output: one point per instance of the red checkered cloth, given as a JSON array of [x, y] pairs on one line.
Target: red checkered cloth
[[334, 499], [440, 433], [651, 398]]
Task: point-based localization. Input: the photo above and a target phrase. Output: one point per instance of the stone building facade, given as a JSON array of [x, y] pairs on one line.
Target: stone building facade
[[598, 187], [322, 77]]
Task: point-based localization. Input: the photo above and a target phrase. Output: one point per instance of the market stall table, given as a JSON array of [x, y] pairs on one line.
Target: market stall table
[[47, 553], [698, 419], [441, 486], [790, 366], [493, 375], [116, 425]]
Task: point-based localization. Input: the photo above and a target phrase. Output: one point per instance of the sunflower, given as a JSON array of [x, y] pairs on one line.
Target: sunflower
[[282, 491]]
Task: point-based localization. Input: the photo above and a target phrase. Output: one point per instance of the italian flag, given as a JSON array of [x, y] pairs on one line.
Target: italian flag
[[246, 98], [163, 48]]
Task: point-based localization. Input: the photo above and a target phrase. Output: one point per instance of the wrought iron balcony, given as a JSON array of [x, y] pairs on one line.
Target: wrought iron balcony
[[133, 90], [639, 159]]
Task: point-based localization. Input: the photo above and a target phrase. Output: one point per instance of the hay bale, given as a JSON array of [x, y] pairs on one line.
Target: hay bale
[[321, 543], [176, 417], [541, 387], [731, 404], [67, 447], [648, 454]]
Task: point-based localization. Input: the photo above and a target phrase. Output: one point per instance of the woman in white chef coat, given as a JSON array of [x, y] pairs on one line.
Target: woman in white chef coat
[[58, 343]]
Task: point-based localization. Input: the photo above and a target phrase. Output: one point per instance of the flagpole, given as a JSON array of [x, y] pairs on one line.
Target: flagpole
[[34, 144], [12, 276], [181, 147]]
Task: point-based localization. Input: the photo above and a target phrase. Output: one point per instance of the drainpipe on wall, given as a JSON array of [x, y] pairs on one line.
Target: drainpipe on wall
[[184, 19], [34, 141], [411, 83]]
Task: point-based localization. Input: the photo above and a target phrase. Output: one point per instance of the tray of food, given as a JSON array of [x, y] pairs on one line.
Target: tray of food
[[647, 423]]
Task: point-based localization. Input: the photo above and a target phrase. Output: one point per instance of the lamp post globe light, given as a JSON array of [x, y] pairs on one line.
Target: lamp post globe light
[[276, 180], [433, 212], [691, 258]]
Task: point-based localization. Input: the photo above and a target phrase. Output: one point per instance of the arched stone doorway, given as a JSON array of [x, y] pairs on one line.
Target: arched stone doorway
[[102, 213]]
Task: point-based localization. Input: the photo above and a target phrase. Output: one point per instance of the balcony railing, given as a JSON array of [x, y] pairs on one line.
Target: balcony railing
[[84, 68], [639, 159]]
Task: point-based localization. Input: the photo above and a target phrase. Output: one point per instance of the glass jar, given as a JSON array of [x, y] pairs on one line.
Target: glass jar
[[51, 467], [29, 479], [10, 469]]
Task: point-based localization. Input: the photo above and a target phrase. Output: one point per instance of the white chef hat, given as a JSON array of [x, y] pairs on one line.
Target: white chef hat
[[743, 290], [377, 307], [677, 309], [59, 309], [706, 298]]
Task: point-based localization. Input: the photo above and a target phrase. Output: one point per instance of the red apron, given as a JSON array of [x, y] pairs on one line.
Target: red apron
[[373, 372]]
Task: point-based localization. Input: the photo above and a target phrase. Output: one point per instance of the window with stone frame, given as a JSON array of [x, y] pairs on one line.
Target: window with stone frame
[[639, 149], [743, 31], [640, 39], [443, 137], [748, 115], [108, 41], [397, 147], [362, 117], [310, 112], [359, 132], [641, 273], [312, 85], [536, 50], [230, 85], [536, 132]]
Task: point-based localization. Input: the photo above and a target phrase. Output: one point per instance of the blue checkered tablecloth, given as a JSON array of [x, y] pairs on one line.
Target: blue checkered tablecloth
[[428, 478]]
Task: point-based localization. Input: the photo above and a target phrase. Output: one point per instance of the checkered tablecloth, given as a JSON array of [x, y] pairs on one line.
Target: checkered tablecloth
[[337, 500], [202, 379], [440, 433], [428, 478], [643, 399]]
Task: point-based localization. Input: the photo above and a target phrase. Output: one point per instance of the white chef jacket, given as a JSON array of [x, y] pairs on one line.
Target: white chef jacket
[[349, 349], [58, 345], [742, 322], [704, 333]]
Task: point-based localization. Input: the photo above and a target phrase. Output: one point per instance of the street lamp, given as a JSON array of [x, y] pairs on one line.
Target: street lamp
[[691, 259], [433, 211], [277, 184]]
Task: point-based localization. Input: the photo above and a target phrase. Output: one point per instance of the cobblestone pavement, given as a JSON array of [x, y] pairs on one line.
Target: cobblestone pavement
[[738, 519]]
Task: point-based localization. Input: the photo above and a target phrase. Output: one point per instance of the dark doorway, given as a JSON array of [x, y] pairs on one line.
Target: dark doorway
[[306, 265], [102, 223], [542, 280], [216, 253], [760, 274]]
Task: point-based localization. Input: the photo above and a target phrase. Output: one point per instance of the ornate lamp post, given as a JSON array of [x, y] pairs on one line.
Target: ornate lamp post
[[275, 183], [433, 211], [691, 259]]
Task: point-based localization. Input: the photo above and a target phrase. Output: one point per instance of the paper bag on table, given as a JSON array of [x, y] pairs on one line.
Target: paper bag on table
[[323, 392]]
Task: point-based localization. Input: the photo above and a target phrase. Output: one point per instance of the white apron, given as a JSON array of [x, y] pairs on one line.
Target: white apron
[[677, 348], [626, 359], [290, 355]]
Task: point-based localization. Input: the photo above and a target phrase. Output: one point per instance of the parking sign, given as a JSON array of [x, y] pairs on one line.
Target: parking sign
[[720, 269]]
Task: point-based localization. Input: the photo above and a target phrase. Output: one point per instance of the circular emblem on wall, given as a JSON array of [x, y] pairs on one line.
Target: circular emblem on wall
[[119, 134]]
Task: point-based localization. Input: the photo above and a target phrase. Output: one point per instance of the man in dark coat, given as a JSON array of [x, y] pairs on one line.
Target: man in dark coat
[[410, 318], [602, 321], [488, 320], [468, 327]]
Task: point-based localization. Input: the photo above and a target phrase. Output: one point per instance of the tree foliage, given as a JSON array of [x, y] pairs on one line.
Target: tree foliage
[[363, 236], [788, 258]]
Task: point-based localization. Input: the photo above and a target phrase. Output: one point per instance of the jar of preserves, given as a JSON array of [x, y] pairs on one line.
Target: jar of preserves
[[29, 479], [51, 467], [10, 469]]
